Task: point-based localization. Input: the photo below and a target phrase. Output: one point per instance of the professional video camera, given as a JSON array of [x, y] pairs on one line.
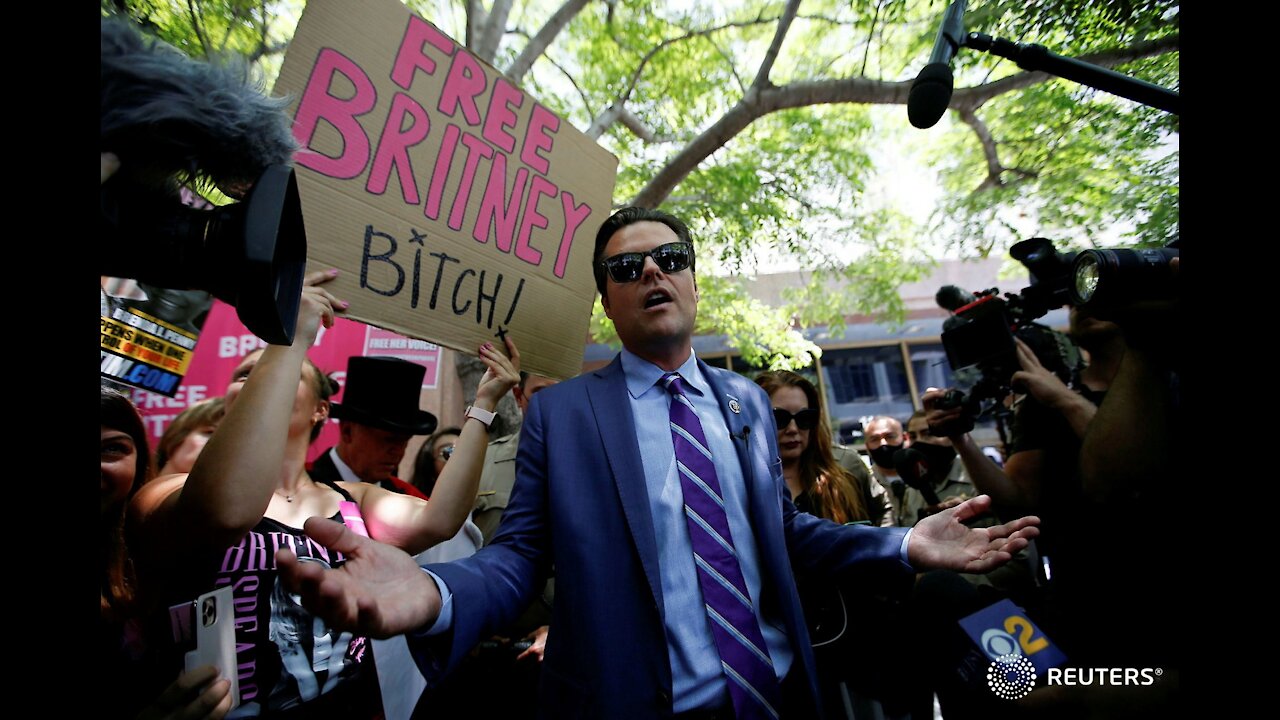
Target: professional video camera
[[979, 337], [173, 121], [1105, 284]]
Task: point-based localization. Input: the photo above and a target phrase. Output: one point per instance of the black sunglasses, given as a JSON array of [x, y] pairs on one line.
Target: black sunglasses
[[805, 419], [629, 266]]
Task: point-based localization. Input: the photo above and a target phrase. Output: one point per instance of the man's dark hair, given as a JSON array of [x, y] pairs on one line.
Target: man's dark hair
[[629, 216]]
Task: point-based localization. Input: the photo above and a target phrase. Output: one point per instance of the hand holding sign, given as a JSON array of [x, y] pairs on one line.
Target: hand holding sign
[[317, 307], [502, 375]]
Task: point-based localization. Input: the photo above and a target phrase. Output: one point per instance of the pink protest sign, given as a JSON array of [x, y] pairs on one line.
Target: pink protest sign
[[458, 207], [224, 341]]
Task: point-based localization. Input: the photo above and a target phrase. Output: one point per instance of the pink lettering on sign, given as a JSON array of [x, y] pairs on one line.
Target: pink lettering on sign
[[440, 176], [223, 343], [499, 211], [574, 216], [477, 151], [532, 218], [410, 57], [319, 104], [542, 125], [466, 82], [501, 117], [393, 147]]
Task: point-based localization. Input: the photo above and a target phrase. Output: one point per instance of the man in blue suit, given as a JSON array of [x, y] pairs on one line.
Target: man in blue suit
[[601, 491]]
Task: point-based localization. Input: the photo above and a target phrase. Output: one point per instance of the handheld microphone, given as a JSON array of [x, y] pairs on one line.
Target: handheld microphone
[[913, 468], [931, 90]]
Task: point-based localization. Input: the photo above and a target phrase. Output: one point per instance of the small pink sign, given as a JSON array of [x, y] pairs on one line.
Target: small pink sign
[[224, 341]]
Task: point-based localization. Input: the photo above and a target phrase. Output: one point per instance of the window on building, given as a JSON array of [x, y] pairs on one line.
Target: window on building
[[750, 372], [864, 382]]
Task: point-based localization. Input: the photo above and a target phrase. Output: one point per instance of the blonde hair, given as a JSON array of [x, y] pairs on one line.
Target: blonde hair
[[204, 413]]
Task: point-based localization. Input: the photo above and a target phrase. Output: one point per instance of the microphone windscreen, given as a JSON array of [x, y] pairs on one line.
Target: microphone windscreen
[[950, 297], [912, 466], [929, 96]]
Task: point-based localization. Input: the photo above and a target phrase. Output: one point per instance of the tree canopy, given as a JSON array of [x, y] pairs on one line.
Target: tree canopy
[[764, 124]]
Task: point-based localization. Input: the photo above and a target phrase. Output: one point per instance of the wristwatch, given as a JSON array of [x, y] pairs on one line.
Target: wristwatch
[[484, 416]]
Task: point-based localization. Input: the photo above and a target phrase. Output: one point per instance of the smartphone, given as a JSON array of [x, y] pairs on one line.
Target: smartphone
[[215, 637]]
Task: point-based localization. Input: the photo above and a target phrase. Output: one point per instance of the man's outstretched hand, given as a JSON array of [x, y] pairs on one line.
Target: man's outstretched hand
[[379, 591], [944, 542]]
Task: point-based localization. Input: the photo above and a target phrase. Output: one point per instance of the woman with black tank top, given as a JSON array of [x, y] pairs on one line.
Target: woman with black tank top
[[249, 495]]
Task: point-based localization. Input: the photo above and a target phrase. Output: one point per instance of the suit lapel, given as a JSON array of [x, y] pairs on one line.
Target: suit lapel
[[611, 407], [323, 469], [738, 424]]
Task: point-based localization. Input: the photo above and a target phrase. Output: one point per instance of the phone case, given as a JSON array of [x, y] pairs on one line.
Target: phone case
[[215, 636]]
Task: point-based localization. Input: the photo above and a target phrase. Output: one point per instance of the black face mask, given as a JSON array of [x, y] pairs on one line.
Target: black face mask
[[883, 455], [938, 457]]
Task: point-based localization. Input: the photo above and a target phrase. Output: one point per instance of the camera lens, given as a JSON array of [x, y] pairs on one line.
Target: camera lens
[[1085, 277], [1109, 280]]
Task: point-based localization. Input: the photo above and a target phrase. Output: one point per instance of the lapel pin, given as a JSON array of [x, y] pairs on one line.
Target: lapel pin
[[734, 406]]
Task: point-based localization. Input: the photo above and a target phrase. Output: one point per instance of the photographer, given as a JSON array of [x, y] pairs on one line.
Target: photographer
[[1050, 418], [1042, 474], [935, 481], [1130, 480]]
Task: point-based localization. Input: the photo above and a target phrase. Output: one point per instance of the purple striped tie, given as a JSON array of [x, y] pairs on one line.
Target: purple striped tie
[[753, 685]]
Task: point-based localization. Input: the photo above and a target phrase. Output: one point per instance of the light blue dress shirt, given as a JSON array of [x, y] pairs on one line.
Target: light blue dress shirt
[[696, 675]]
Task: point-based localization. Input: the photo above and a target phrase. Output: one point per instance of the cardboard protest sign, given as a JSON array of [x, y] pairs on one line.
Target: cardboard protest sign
[[457, 207]]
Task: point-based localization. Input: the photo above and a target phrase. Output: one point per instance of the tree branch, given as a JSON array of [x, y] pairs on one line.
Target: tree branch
[[875, 20], [980, 129], [195, 25], [611, 114], [494, 28], [476, 19], [995, 171], [728, 60], [543, 39], [604, 120], [265, 50], [635, 76], [586, 102], [231, 26], [771, 56], [847, 90]]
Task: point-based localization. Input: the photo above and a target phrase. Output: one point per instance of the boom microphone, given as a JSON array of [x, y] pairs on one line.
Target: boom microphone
[[931, 91]]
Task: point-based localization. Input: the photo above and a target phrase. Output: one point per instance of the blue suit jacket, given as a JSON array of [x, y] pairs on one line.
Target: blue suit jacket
[[581, 502]]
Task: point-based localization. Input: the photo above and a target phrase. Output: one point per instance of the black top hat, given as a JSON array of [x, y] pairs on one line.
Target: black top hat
[[382, 392]]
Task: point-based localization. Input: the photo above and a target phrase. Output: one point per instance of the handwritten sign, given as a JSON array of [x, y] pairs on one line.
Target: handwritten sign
[[458, 208]]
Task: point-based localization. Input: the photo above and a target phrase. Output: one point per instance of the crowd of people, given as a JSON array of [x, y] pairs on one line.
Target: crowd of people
[[662, 538], [582, 539]]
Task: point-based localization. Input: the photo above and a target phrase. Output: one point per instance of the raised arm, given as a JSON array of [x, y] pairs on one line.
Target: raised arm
[[231, 484], [1011, 487], [1052, 392], [410, 523]]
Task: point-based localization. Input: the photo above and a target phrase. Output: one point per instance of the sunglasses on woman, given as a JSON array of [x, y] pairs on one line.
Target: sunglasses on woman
[[629, 266], [805, 419]]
